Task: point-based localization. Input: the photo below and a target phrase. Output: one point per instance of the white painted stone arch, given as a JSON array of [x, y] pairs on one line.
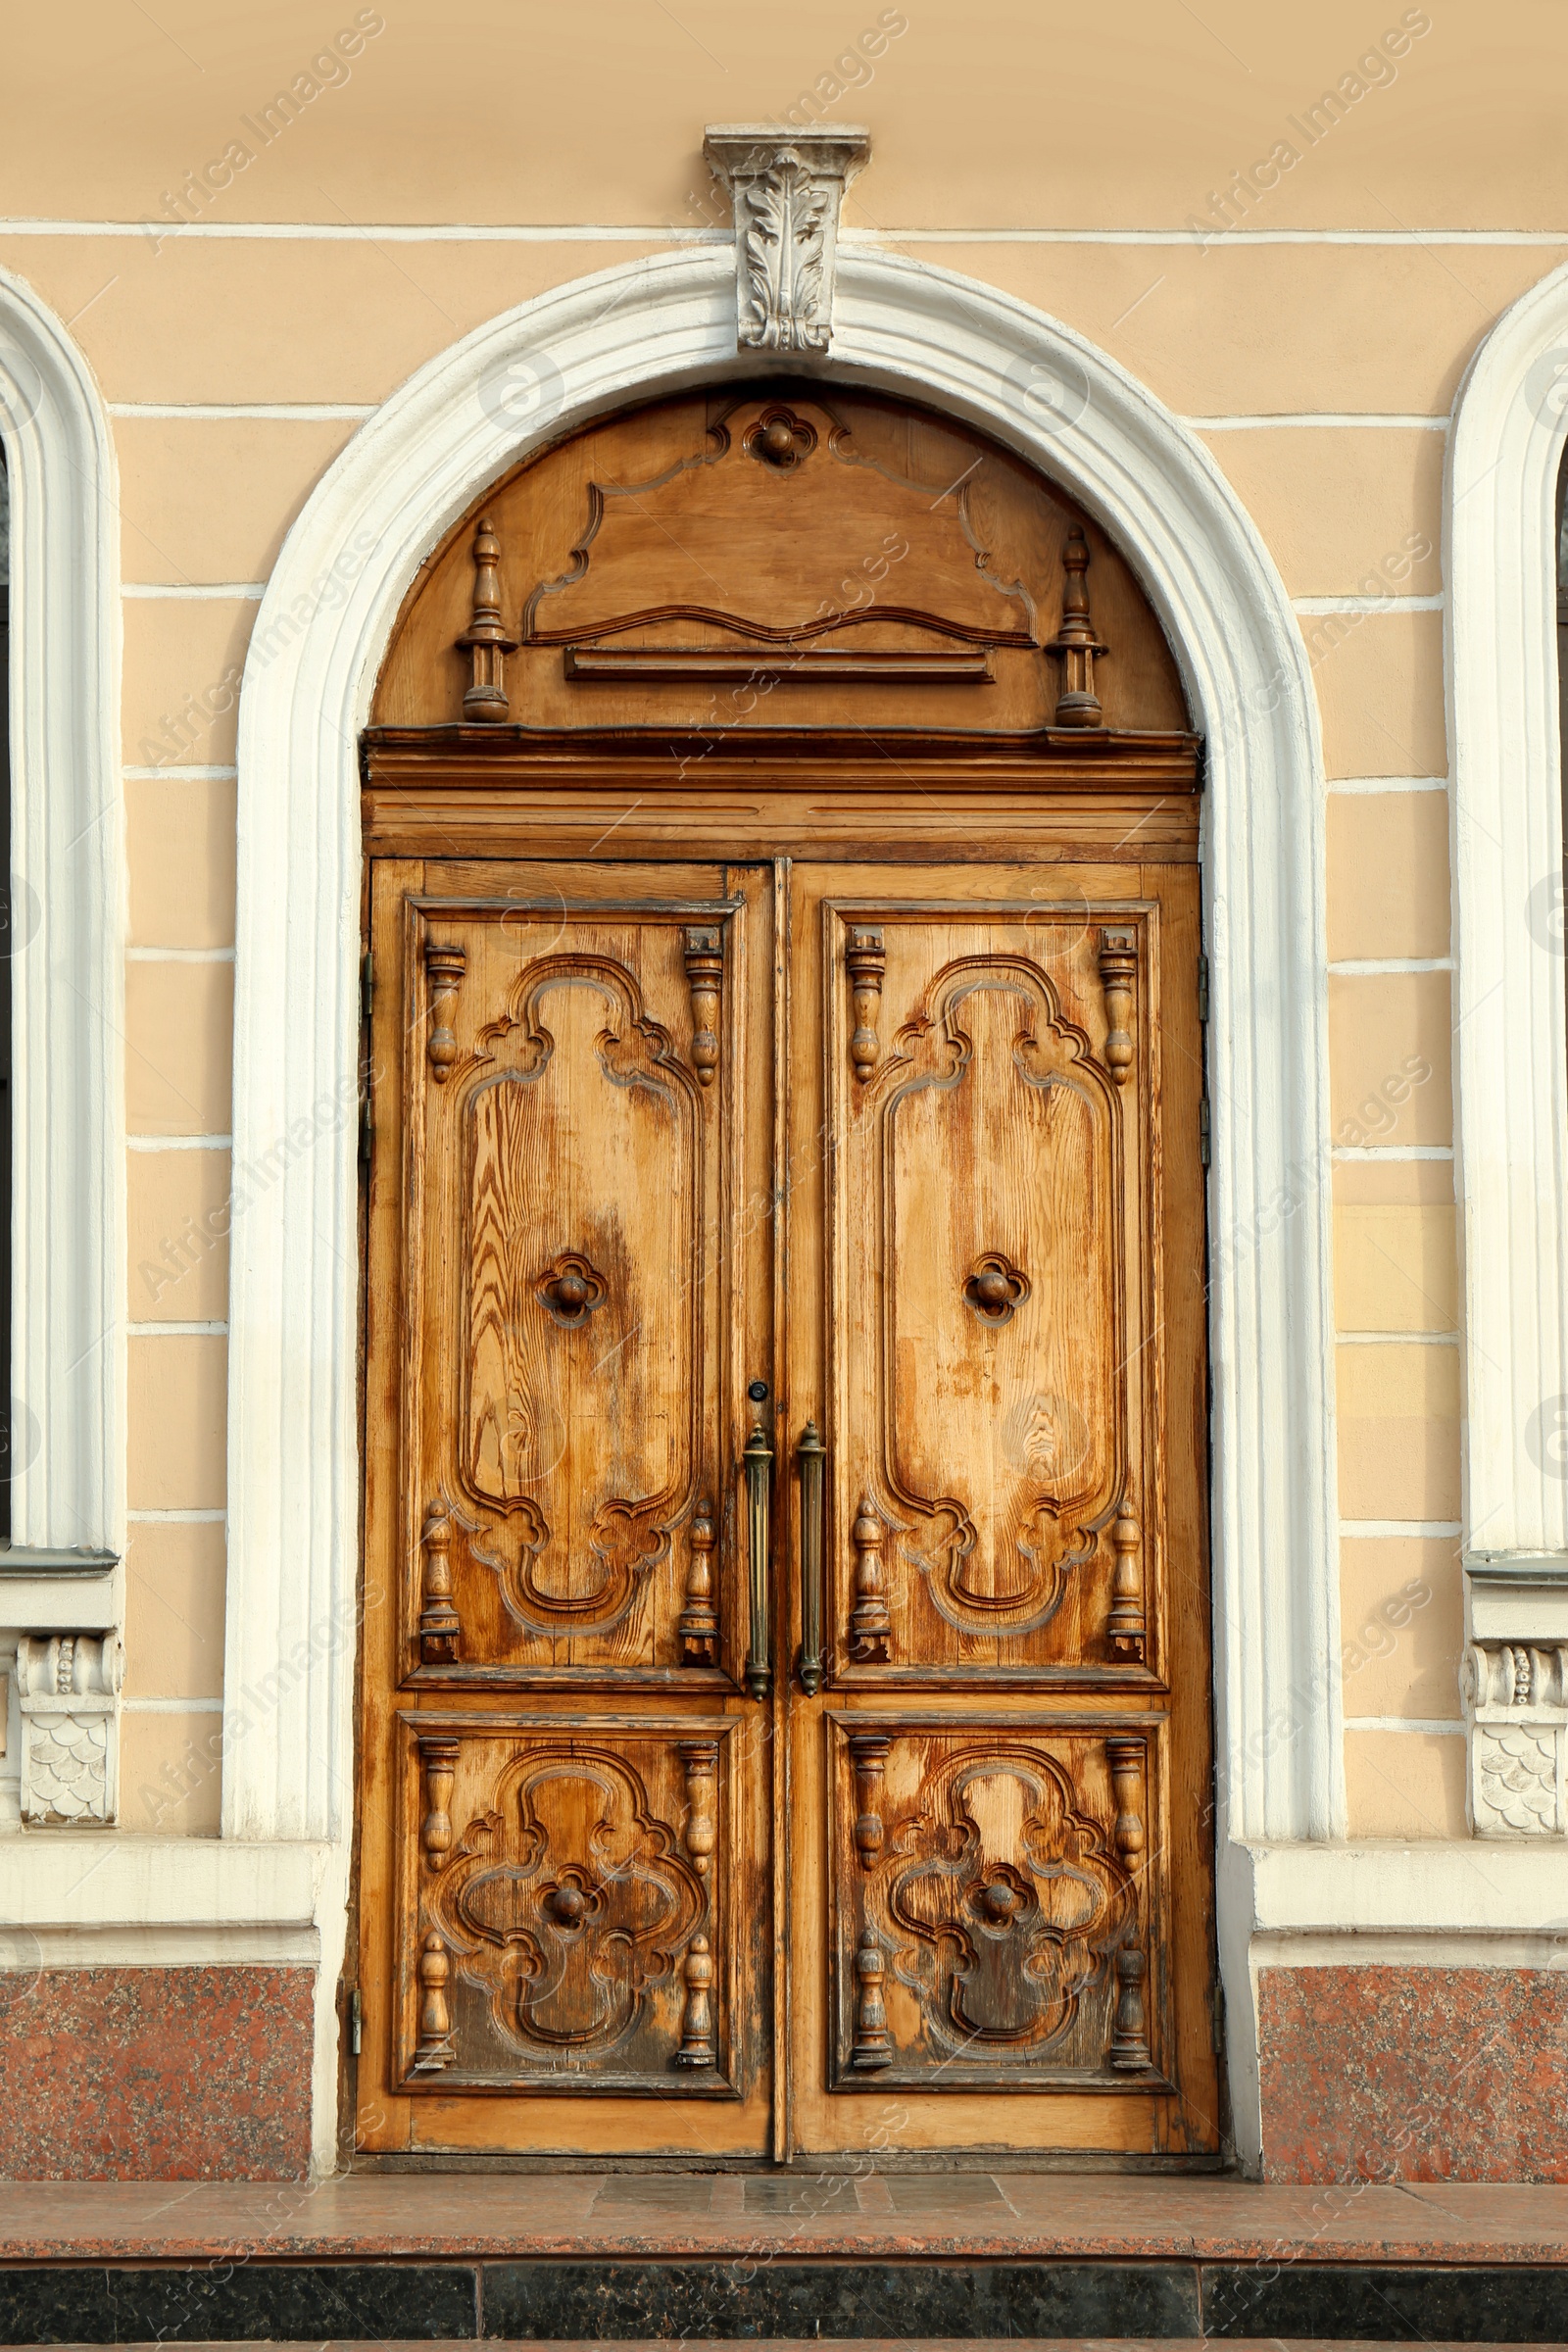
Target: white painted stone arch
[[632, 332]]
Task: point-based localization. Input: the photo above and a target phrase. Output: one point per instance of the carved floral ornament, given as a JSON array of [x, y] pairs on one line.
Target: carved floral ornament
[[786, 193]]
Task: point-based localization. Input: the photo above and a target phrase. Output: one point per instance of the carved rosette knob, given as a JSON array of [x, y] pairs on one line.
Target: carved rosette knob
[[995, 1288], [570, 1290]]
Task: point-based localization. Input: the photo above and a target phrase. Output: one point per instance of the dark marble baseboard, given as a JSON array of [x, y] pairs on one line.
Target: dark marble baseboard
[[835, 2300]]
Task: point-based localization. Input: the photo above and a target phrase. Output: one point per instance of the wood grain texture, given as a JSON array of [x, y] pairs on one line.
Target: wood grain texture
[[766, 556], [992, 1252]]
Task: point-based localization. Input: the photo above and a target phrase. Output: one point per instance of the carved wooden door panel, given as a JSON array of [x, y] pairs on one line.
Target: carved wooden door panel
[[1006, 1773], [565, 1827]]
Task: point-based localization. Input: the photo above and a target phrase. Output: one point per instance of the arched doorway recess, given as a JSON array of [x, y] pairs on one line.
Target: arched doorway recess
[[785, 1673], [399, 488]]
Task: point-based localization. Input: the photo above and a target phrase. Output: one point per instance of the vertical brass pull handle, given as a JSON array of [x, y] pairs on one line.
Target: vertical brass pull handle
[[757, 1461], [811, 1454]]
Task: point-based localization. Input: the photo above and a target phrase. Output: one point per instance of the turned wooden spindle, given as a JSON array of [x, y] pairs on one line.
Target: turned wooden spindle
[[485, 639], [696, 2013], [873, 2044], [444, 968], [865, 962], [704, 975], [440, 1626], [700, 1758], [1129, 2040], [438, 1752], [697, 1623], [434, 2046], [869, 1754], [1075, 644], [1119, 976], [870, 1626], [1125, 1629]]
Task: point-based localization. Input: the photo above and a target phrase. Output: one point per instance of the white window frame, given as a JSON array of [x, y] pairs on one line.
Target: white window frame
[[1506, 452], [67, 1226]]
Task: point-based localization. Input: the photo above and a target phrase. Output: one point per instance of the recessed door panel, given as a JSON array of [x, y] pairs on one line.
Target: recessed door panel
[[999, 1911], [992, 1083], [577, 1092], [578, 1907]]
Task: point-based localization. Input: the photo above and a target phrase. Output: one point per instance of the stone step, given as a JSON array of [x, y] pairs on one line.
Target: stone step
[[577, 2257]]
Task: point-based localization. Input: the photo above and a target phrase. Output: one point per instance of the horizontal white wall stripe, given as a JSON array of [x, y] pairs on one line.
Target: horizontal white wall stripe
[[1309, 606], [1384, 1339], [1406, 1723], [1379, 419], [321, 412], [1362, 1529], [176, 1331], [247, 591], [174, 775], [1388, 783], [403, 232], [396, 232], [179, 955], [173, 1706], [1213, 240], [180, 1143], [1365, 967], [1394, 1152], [201, 1518], [296, 412]]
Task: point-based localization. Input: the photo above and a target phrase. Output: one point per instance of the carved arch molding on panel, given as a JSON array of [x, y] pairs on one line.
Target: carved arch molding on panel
[[576, 1930], [567, 1200], [999, 1921], [992, 1155]]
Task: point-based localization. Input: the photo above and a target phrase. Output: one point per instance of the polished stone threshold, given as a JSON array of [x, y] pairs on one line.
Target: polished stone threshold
[[628, 2258], [873, 2216]]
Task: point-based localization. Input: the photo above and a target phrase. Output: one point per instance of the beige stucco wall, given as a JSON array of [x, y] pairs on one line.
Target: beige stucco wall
[[1320, 373]]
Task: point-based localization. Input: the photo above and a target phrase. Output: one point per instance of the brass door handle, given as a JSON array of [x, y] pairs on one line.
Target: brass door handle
[[758, 1463], [812, 1455]]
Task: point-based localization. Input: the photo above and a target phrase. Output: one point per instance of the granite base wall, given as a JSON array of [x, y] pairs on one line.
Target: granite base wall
[[1413, 2073], [156, 2074]]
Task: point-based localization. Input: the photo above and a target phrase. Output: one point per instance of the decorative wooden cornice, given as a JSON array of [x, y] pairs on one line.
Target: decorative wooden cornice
[[786, 193]]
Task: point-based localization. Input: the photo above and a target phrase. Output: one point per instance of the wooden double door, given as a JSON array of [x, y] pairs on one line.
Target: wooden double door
[[785, 1723]]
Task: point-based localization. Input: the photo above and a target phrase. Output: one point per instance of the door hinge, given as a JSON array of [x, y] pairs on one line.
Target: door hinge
[[1202, 987], [367, 984], [1217, 2020], [356, 2019], [367, 1124], [1202, 1130]]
